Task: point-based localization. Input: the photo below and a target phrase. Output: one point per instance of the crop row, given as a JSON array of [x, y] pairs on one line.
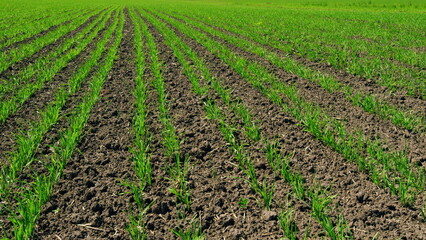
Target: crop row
[[27, 143], [142, 161], [178, 164]]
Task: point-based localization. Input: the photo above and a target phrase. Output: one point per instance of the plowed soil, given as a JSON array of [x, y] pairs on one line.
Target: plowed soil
[[92, 201]]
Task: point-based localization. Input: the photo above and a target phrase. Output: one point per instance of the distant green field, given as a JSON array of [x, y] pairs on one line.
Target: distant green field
[[417, 5]]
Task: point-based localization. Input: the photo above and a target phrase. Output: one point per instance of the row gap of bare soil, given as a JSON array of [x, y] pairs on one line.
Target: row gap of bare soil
[[216, 182], [42, 33], [91, 201], [398, 98], [51, 138], [338, 107], [15, 68], [367, 208], [29, 112]]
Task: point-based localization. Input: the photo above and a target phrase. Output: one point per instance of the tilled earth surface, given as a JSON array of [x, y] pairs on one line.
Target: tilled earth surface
[[92, 201]]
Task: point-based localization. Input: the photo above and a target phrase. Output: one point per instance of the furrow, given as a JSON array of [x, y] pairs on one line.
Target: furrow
[[190, 121], [175, 162], [269, 215]]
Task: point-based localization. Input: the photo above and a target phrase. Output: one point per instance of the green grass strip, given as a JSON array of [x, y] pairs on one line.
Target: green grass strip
[[141, 158], [377, 62], [26, 22], [29, 207]]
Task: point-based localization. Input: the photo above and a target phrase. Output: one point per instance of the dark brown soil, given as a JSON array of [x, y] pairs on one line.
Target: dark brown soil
[[92, 201], [361, 202]]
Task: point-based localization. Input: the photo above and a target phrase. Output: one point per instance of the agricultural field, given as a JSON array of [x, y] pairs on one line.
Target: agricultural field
[[222, 119]]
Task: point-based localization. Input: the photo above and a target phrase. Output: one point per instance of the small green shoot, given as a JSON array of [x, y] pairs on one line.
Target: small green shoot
[[243, 202]]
